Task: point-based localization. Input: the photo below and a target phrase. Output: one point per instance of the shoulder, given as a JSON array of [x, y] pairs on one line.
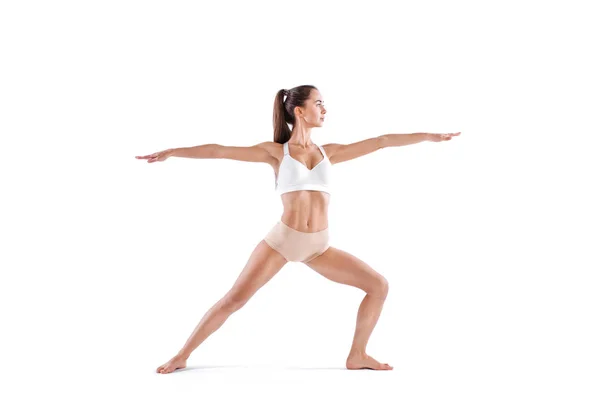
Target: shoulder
[[331, 149], [273, 148], [331, 146]]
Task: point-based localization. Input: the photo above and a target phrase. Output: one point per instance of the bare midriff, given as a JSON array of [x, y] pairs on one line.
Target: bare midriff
[[305, 210]]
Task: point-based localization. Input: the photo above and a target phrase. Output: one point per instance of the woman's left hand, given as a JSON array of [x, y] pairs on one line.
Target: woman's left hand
[[438, 137]]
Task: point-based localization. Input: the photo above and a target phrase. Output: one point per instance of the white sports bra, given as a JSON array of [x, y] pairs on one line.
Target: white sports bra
[[293, 175]]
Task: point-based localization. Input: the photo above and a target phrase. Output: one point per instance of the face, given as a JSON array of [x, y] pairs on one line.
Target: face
[[314, 109]]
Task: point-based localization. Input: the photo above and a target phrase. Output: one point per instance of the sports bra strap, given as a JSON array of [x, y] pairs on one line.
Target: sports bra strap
[[322, 151]]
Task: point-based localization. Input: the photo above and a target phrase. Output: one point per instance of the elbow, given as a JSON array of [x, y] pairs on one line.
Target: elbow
[[382, 141], [216, 151]]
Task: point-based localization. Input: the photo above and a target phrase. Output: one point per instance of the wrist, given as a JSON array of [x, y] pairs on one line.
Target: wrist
[[172, 152]]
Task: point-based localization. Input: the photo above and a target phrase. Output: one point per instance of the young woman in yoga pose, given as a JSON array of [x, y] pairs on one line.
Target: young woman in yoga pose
[[302, 179]]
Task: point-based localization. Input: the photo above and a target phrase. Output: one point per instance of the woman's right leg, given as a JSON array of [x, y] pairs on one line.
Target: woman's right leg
[[263, 264]]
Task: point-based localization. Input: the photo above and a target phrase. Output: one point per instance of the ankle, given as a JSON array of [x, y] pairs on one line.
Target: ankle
[[183, 355], [357, 352]]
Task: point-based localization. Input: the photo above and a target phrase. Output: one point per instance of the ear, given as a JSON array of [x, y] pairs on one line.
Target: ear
[[299, 113]]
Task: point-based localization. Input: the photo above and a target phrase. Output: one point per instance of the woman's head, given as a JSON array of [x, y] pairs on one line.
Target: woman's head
[[300, 105]]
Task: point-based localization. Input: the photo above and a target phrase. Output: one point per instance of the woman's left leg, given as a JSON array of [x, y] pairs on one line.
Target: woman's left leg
[[342, 267]]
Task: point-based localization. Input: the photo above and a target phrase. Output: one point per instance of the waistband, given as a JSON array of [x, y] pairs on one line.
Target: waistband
[[305, 233]]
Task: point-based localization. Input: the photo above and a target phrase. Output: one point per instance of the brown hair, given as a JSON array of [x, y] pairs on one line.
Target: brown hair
[[283, 110]]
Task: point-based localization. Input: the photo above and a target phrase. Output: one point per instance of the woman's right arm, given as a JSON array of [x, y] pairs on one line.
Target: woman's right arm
[[258, 153], [261, 152], [202, 151]]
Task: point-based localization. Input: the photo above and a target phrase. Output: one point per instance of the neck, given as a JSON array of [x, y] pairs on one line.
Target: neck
[[301, 137]]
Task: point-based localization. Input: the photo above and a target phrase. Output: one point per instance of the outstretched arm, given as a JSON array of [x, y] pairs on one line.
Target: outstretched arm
[[338, 153], [402, 139], [260, 152], [256, 153], [202, 151]]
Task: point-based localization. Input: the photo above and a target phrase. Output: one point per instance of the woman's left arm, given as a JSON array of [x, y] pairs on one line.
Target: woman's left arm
[[403, 139]]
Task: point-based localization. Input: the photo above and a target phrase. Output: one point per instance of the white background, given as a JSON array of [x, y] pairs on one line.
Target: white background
[[489, 241]]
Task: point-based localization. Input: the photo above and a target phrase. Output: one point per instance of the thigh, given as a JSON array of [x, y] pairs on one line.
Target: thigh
[[342, 267], [262, 265]]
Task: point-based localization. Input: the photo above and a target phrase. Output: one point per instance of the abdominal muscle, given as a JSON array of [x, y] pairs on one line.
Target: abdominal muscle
[[305, 210]]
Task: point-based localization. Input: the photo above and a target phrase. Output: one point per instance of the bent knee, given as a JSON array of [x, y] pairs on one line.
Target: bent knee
[[380, 288]]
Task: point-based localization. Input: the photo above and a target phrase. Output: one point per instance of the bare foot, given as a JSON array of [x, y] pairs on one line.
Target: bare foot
[[364, 361], [174, 363]]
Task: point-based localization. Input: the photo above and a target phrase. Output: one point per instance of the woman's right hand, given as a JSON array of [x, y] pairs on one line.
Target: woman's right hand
[[160, 156]]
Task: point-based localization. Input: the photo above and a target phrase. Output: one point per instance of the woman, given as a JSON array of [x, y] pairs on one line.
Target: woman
[[302, 179]]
